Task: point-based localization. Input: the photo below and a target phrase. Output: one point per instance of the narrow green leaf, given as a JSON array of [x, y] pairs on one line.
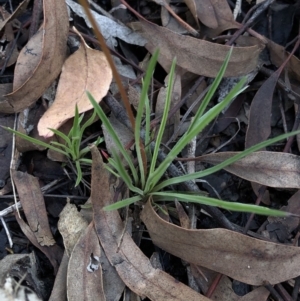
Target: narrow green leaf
[[192, 132], [227, 162], [148, 129], [35, 141], [88, 123], [210, 93], [113, 135], [62, 135], [139, 115], [75, 133], [111, 170], [79, 173], [86, 150], [233, 206], [124, 174], [60, 145], [86, 161], [123, 203], [150, 183]]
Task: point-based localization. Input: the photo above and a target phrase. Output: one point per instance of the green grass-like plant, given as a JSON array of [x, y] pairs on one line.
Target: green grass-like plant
[[72, 147], [144, 184]]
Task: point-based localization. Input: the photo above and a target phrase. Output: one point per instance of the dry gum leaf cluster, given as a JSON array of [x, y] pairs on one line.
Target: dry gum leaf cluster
[[99, 258]]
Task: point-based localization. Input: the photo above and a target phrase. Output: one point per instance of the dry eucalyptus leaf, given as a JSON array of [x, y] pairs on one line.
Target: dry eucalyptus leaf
[[238, 256], [222, 14], [192, 5], [206, 62], [41, 59], [59, 291], [71, 225], [272, 169], [84, 280], [85, 70], [54, 252], [109, 28], [131, 264], [278, 55], [33, 204]]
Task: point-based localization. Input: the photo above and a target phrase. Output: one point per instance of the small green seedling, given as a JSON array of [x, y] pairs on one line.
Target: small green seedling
[[72, 147], [144, 184]]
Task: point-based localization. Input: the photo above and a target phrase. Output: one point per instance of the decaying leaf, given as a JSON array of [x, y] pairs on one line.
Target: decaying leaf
[[41, 60], [109, 28], [59, 291], [215, 14], [278, 55], [71, 225], [32, 201], [132, 265], [259, 127], [84, 280], [192, 5], [206, 62], [86, 70], [54, 252], [240, 257], [272, 169]]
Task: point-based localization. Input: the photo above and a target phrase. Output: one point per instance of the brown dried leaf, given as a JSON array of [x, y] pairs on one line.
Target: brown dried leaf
[[86, 70], [59, 291], [272, 169], [132, 265], [71, 225], [54, 252], [41, 60], [259, 127], [167, 7], [206, 62], [223, 16], [214, 14], [278, 55], [33, 204], [84, 280], [240, 257], [211, 20]]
